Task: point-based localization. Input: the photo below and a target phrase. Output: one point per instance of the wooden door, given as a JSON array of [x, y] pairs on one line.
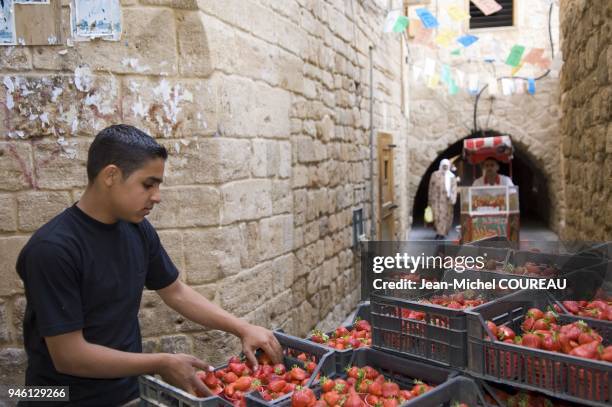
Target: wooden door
[[386, 195]]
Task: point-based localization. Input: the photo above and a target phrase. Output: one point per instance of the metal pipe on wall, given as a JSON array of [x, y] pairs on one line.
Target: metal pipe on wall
[[372, 183]]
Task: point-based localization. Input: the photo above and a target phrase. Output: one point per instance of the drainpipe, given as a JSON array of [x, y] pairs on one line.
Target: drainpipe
[[372, 183]]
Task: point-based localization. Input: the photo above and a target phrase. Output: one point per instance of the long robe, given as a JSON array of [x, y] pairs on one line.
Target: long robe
[[441, 204]]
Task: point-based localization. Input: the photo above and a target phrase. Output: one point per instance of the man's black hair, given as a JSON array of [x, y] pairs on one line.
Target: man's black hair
[[124, 146]]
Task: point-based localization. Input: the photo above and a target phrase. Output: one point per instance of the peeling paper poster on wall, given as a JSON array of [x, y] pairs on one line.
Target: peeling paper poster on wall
[[96, 19], [7, 23]]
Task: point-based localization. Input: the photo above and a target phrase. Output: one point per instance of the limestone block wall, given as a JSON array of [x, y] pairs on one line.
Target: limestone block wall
[[586, 132], [438, 120], [263, 106]]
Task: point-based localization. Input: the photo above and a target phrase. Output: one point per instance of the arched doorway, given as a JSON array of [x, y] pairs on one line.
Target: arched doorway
[[534, 194]]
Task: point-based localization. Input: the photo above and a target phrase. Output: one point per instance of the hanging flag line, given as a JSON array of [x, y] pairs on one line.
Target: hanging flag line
[[422, 30]]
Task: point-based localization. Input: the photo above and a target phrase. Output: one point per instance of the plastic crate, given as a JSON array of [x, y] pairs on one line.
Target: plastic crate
[[458, 390], [343, 357], [440, 337], [579, 380], [563, 262], [156, 392], [292, 347], [400, 370]]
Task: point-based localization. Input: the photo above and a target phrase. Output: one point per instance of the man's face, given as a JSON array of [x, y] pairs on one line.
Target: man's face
[[490, 167], [133, 198], [444, 167]]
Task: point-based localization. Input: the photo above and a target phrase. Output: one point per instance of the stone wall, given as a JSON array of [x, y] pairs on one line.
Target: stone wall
[[437, 120], [264, 108], [586, 132]]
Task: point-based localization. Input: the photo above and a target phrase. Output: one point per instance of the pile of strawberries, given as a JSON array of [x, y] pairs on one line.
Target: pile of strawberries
[[534, 269], [541, 331], [597, 309], [359, 336], [363, 386], [271, 380], [454, 301]]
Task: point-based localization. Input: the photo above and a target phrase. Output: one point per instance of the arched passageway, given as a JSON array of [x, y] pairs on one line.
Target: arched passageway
[[534, 194]]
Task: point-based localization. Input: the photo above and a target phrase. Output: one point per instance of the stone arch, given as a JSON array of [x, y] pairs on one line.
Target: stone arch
[[542, 154]]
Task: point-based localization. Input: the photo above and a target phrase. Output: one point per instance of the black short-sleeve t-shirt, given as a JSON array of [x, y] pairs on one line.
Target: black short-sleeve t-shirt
[[80, 273]]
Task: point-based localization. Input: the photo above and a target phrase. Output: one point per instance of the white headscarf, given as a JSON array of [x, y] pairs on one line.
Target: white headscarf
[[448, 176]]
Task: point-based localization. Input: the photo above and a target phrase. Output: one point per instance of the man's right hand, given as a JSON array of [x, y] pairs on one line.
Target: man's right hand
[[180, 370]]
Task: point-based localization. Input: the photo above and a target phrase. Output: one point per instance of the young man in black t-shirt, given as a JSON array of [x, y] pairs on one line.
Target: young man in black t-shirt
[[84, 273]]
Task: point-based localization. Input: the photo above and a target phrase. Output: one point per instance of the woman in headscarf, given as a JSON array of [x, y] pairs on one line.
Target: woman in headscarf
[[442, 198]]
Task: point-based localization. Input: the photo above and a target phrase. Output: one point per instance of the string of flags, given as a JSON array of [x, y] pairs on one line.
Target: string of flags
[[436, 73]]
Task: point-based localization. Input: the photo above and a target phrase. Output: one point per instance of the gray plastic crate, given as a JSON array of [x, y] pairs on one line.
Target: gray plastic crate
[[403, 371], [584, 381], [156, 392]]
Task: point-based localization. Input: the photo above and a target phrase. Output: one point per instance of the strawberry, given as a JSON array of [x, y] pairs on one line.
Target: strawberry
[[492, 327], [326, 384], [310, 367], [588, 350], [504, 332], [353, 400], [535, 313], [390, 389], [390, 402], [243, 383], [303, 397], [318, 337], [230, 377], [355, 372], [297, 374], [331, 398], [375, 388], [541, 324], [370, 372], [420, 388], [362, 325], [277, 386], [302, 357]]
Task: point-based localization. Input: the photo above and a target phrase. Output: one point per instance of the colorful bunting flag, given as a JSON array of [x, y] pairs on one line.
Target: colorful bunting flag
[[487, 7], [473, 84], [531, 86], [395, 22], [516, 69], [457, 14], [535, 56], [456, 52], [467, 40], [519, 86], [416, 73], [433, 80], [430, 67], [516, 53], [453, 89], [460, 78], [428, 19], [493, 88], [445, 37], [507, 86], [446, 74]]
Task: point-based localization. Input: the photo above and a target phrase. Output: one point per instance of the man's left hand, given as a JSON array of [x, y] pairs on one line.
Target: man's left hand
[[255, 337]]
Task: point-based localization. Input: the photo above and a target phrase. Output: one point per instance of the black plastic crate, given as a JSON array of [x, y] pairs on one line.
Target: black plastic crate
[[156, 392], [564, 263], [439, 337], [458, 390], [403, 371], [343, 357], [579, 380]]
